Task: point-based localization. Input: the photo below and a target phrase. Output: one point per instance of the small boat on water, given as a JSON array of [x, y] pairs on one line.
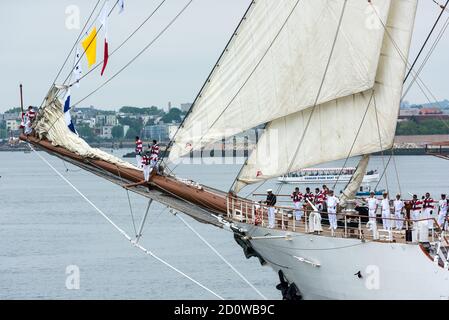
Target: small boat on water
[[323, 175]]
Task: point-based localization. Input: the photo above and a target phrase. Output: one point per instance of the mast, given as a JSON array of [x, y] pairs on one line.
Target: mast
[[21, 98]]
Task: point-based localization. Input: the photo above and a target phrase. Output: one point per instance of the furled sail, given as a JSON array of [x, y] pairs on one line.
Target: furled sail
[[356, 180], [333, 127], [50, 124], [274, 66]]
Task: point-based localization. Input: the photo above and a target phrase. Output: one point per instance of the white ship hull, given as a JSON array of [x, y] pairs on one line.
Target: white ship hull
[[326, 178], [389, 270]]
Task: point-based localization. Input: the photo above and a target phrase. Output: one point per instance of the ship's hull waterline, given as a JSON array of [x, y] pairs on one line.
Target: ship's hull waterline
[[388, 270]]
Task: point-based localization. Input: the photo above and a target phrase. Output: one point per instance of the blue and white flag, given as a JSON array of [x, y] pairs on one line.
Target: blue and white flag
[[121, 6], [67, 117]]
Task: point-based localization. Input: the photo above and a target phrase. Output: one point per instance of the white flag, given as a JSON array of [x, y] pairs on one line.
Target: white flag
[[104, 15], [121, 6], [77, 69]]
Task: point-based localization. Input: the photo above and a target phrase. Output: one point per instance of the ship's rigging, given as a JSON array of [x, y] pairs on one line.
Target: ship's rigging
[[372, 72]]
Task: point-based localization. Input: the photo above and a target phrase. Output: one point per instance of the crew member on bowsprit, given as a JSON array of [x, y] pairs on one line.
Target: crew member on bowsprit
[[138, 151], [154, 157]]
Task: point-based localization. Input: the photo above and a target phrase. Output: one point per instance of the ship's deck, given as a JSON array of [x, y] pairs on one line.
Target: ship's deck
[[351, 224]]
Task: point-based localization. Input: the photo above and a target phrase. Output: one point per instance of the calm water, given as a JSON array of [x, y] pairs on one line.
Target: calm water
[[45, 226]]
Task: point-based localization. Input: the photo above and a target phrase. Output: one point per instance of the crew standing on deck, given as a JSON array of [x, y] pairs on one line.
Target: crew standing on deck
[[138, 151], [442, 214], [386, 212], [318, 199], [372, 209], [297, 198], [271, 202], [416, 208], [398, 208], [332, 203], [309, 195], [428, 209]]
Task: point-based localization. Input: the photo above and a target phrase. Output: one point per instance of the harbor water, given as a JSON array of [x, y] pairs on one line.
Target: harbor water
[[45, 228]]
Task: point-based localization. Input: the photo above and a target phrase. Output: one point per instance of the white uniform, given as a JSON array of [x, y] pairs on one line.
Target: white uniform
[[443, 212], [386, 214], [298, 210], [298, 203], [271, 217], [332, 202], [372, 207], [146, 167], [28, 128], [398, 207]]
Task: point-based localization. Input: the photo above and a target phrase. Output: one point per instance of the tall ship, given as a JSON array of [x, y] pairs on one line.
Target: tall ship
[[325, 77]]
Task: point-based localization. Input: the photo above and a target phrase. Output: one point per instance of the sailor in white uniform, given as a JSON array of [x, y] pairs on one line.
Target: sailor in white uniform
[[372, 208], [398, 208], [442, 214], [386, 212], [332, 203]]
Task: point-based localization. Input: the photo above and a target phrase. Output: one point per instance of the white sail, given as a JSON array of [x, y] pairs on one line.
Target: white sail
[[335, 125], [357, 178], [275, 63], [50, 124]]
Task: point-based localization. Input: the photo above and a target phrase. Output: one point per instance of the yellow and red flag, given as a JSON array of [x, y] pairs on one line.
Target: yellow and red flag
[[90, 47]]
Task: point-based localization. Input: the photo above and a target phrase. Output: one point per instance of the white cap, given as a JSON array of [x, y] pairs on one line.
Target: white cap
[[269, 190]]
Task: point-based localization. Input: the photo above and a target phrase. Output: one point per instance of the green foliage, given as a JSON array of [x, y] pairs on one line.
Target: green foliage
[[135, 124], [118, 132], [131, 134], [424, 127], [85, 132], [175, 115], [3, 134], [14, 110], [151, 111]]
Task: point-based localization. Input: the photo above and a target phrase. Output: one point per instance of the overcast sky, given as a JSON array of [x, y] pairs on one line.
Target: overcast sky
[[35, 42]]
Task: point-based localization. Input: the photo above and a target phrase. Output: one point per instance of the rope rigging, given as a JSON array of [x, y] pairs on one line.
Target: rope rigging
[[77, 40], [220, 256], [355, 139], [313, 108], [139, 54], [73, 47], [120, 46], [122, 232], [417, 79], [124, 42], [381, 145], [207, 81], [427, 39], [256, 67], [129, 203], [88, 46], [426, 59]]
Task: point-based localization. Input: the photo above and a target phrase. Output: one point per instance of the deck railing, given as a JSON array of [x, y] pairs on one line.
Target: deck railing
[[351, 224]]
